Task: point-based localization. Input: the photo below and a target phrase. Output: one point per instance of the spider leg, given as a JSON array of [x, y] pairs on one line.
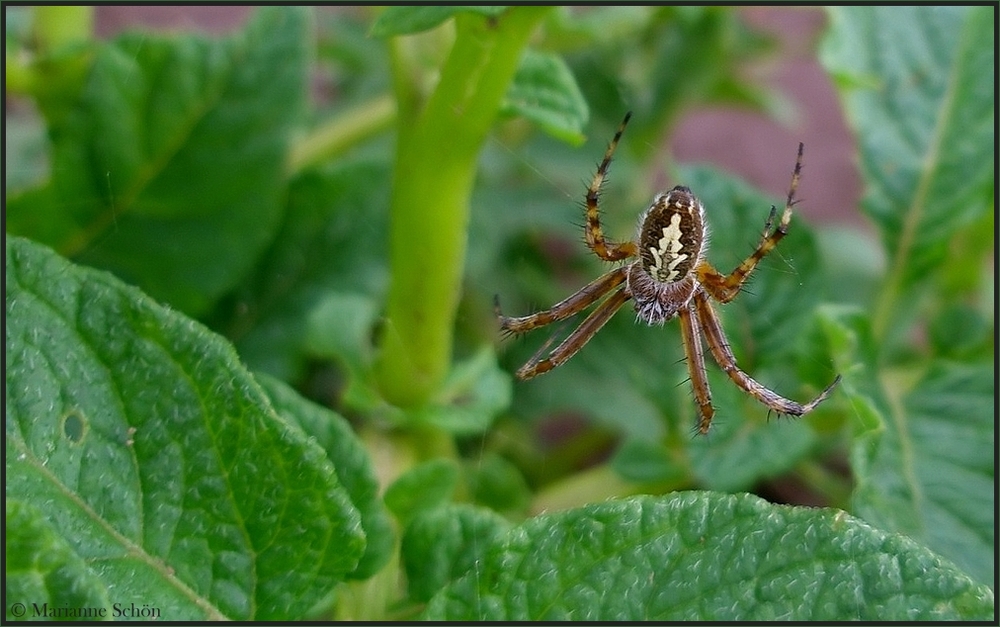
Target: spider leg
[[569, 347], [719, 346], [696, 367], [724, 288], [579, 301], [608, 251]]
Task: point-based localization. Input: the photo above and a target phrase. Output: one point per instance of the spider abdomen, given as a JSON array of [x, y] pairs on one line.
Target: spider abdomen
[[671, 235]]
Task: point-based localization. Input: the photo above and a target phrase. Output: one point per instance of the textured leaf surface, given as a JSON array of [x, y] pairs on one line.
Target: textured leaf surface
[[923, 463], [931, 475], [705, 556], [352, 463], [155, 455], [918, 87], [171, 167], [443, 543], [425, 486], [42, 570], [545, 91]]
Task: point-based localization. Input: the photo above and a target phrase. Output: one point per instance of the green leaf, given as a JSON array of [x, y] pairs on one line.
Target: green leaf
[[746, 444], [170, 171], [678, 59], [443, 543], [706, 556], [352, 463], [472, 395], [330, 247], [545, 92], [917, 84], [846, 333], [961, 331], [644, 460], [496, 483], [425, 486], [155, 455], [922, 455], [42, 569], [400, 20], [931, 474]]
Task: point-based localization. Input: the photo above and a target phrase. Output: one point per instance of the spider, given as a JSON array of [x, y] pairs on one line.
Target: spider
[[669, 277]]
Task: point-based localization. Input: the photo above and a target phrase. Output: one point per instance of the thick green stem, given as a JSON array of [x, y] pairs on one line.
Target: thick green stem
[[435, 169], [59, 26], [56, 31]]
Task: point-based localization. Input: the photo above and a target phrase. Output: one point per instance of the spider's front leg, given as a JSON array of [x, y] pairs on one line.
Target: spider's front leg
[[608, 251], [725, 288]]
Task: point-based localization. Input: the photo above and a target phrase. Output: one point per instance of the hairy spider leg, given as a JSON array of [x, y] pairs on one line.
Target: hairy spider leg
[[576, 303], [725, 288], [696, 367], [583, 333], [723, 354], [608, 251]]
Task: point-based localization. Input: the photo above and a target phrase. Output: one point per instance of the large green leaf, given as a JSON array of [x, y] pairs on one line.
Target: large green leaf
[[156, 457], [170, 170], [931, 476], [351, 462], [706, 556], [444, 543], [917, 84], [43, 575], [328, 255], [923, 453]]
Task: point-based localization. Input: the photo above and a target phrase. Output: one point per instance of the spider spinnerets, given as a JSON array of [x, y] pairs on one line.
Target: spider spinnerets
[[669, 278]]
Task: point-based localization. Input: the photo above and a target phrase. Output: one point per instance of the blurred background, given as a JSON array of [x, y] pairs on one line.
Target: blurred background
[[750, 144]]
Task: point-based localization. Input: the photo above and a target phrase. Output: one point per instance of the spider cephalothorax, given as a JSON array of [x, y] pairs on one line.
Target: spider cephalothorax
[[669, 277]]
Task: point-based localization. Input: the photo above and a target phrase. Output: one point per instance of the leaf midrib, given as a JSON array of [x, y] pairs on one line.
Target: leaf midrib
[[886, 305], [150, 170]]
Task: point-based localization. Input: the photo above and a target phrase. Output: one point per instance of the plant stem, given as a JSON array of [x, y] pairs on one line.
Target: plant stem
[[58, 26], [435, 168]]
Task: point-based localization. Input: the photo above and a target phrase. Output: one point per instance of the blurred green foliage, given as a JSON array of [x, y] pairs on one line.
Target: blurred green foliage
[[340, 194]]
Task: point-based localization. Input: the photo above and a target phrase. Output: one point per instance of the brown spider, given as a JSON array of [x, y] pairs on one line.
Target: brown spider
[[670, 278]]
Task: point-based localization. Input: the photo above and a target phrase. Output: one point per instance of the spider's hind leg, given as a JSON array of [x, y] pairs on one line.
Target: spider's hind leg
[[723, 354], [696, 368]]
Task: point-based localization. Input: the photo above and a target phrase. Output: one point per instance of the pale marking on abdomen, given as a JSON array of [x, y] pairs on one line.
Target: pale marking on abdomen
[[669, 246]]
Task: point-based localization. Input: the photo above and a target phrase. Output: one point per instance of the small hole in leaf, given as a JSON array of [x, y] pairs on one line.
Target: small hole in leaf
[[74, 426]]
